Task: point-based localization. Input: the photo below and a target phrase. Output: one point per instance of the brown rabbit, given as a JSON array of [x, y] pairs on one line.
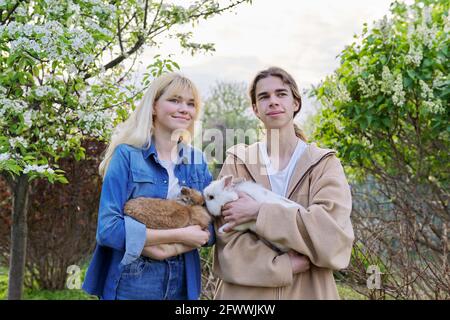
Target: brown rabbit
[[169, 214]]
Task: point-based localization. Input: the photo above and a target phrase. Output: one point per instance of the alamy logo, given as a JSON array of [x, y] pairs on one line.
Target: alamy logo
[[74, 278], [374, 280]]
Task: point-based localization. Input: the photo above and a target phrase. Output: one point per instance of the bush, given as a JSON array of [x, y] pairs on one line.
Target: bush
[[386, 111]]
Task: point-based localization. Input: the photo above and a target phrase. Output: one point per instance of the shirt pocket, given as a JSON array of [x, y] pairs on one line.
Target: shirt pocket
[[135, 268], [144, 184], [196, 181]]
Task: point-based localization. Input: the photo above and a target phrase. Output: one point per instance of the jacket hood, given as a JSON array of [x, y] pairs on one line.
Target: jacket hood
[[250, 157]]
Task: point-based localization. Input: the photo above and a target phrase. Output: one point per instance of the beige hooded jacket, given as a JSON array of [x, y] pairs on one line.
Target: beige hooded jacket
[[247, 268]]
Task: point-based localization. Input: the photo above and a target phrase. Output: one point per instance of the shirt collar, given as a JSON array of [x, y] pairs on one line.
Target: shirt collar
[[183, 152]]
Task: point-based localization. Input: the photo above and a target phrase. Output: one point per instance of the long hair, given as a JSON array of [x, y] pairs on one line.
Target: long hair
[[138, 128], [288, 80]]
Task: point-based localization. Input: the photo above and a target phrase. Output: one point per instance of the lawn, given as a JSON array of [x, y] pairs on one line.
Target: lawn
[[42, 294], [345, 292]]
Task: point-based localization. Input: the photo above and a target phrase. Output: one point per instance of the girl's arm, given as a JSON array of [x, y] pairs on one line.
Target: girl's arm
[[192, 236], [164, 251], [111, 224], [162, 244]]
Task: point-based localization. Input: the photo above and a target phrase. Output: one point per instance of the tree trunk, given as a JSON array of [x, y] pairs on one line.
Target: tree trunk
[[18, 237]]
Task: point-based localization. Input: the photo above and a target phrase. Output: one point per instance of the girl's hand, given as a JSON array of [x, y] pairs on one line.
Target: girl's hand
[[240, 211], [194, 236], [299, 262]]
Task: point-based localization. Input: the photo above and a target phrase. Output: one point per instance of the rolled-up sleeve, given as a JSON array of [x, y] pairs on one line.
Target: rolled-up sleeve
[[323, 231], [113, 230], [135, 234], [243, 258]]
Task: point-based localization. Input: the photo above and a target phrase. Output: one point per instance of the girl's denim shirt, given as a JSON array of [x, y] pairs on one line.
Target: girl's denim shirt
[[133, 173]]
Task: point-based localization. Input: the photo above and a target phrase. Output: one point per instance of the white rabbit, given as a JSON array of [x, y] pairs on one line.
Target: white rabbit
[[225, 190]]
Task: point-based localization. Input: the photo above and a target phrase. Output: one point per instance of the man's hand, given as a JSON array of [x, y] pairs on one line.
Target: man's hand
[[299, 262], [240, 211]]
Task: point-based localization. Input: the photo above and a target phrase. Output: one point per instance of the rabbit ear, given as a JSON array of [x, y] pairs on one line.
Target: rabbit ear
[[227, 181]]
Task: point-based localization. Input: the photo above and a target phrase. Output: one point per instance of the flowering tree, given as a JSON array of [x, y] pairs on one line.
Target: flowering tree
[[227, 120], [62, 78], [386, 110]]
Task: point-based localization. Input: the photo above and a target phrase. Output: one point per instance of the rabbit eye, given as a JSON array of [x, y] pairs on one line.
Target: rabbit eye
[[210, 197]]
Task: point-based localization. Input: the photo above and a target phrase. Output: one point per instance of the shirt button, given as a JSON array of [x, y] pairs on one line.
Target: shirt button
[[165, 181]]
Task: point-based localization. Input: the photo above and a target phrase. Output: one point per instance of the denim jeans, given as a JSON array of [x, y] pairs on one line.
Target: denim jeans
[[148, 279]]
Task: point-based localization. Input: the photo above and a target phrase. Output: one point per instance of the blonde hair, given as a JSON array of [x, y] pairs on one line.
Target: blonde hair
[[138, 128], [287, 79]]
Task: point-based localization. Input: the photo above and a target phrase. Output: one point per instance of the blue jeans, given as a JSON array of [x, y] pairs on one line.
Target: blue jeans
[[148, 279]]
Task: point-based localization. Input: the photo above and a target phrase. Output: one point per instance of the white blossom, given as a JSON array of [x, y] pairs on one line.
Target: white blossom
[[54, 7], [368, 87], [425, 91], [430, 102], [38, 169], [80, 39], [388, 80], [384, 25], [15, 106], [4, 156], [21, 11], [415, 55], [398, 98], [435, 106], [427, 35], [45, 91], [426, 13], [356, 68], [74, 8], [439, 80], [27, 117], [447, 24], [24, 43], [93, 25], [16, 141], [13, 28]]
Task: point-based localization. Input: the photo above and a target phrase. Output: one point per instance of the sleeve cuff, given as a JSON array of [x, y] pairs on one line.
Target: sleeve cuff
[[135, 235], [212, 236], [261, 220], [285, 265]]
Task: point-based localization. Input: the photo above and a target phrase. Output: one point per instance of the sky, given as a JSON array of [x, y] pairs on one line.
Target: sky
[[302, 36]]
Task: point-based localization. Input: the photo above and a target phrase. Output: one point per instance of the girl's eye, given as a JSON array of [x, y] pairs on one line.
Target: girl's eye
[[282, 94], [174, 100]]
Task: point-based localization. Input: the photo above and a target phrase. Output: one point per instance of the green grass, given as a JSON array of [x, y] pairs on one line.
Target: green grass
[[42, 294], [3, 282], [57, 295], [345, 292]]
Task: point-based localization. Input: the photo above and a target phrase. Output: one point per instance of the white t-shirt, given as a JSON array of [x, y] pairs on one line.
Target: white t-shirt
[[174, 186], [279, 180]]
